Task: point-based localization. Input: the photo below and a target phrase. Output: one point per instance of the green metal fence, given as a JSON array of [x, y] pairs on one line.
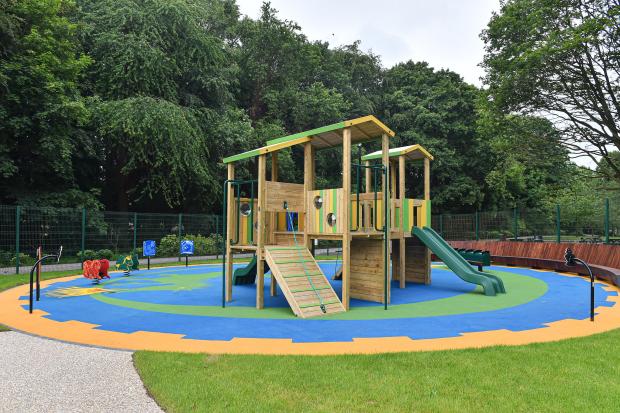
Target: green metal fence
[[598, 222], [84, 233]]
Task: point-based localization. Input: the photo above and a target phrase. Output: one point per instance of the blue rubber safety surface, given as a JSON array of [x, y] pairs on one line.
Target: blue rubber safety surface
[[566, 298]]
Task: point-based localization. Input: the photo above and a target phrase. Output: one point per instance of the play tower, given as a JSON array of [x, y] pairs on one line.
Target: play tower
[[278, 221]]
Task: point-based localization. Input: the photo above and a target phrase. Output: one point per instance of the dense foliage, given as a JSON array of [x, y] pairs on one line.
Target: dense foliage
[[131, 105], [559, 58]]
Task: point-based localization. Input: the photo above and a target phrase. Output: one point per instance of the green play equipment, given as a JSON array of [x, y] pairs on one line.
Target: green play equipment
[[490, 283], [477, 257], [128, 263], [247, 274]]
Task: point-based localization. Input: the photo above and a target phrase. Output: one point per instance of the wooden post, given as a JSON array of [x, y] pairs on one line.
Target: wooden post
[[308, 186], [346, 224], [260, 239], [393, 187], [427, 197], [427, 180], [273, 217], [402, 196], [229, 232], [385, 148], [367, 208]]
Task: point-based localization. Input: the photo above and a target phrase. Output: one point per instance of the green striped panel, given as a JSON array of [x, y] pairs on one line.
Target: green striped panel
[[293, 261], [405, 206], [318, 304], [310, 274], [303, 290], [322, 212], [335, 207]]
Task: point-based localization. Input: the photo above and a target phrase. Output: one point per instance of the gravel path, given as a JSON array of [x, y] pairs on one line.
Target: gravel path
[[40, 375]]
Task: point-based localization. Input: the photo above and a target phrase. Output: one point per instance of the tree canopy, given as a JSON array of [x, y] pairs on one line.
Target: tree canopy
[[131, 105], [559, 58]]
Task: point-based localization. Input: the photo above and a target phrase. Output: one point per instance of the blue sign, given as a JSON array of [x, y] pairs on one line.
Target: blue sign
[[187, 247], [149, 248]]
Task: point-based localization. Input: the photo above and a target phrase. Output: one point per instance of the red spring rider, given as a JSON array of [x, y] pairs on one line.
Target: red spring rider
[[96, 270]]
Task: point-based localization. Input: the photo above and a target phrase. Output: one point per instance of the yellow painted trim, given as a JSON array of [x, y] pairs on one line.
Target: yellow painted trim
[[370, 118], [14, 316], [401, 151], [282, 145]]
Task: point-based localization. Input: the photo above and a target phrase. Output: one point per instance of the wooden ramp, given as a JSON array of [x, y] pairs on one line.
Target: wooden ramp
[[303, 283]]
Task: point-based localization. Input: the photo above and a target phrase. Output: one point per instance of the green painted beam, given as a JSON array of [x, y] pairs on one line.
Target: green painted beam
[[240, 156], [316, 131]]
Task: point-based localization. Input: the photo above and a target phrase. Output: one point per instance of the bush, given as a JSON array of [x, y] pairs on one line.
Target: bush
[[6, 257], [170, 244], [105, 254], [24, 259], [102, 254], [87, 255]]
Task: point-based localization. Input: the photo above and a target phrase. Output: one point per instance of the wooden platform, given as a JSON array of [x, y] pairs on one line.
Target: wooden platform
[[303, 283]]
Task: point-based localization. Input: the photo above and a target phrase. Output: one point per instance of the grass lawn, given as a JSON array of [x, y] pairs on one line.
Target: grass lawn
[[572, 375]]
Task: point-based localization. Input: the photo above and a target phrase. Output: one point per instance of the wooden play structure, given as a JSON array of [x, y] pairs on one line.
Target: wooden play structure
[[279, 221]]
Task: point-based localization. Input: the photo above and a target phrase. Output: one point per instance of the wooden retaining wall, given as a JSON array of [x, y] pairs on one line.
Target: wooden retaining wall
[[367, 276], [599, 254], [417, 264]]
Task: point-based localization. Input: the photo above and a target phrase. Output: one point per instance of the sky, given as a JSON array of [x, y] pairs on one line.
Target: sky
[[445, 33]]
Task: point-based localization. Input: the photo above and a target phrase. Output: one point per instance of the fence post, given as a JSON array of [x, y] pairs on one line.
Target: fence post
[[558, 232], [180, 234], [606, 220], [18, 213], [83, 244], [441, 224], [516, 224], [477, 218], [135, 232]]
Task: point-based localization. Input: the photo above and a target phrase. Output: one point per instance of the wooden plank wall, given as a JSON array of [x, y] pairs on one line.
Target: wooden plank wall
[[286, 238], [278, 192], [367, 278], [600, 254], [418, 263]]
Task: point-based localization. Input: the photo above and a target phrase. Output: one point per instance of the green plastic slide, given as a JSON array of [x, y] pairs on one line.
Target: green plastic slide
[[490, 283], [247, 274]]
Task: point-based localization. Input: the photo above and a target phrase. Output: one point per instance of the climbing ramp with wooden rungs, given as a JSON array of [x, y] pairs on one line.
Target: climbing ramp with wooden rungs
[[304, 285]]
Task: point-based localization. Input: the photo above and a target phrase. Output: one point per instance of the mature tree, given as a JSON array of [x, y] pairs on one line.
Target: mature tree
[[527, 163], [40, 106], [293, 84], [438, 111], [559, 58], [163, 110]]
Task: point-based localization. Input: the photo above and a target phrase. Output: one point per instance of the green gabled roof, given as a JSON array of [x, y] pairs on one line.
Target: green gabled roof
[[266, 149], [362, 129], [411, 153]]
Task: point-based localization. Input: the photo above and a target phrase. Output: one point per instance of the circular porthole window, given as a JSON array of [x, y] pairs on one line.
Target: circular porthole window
[[318, 202], [331, 219], [245, 209]]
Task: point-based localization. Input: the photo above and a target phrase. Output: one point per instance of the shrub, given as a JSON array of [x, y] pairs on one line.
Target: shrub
[[105, 254], [170, 244], [24, 259], [87, 255], [6, 257]]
